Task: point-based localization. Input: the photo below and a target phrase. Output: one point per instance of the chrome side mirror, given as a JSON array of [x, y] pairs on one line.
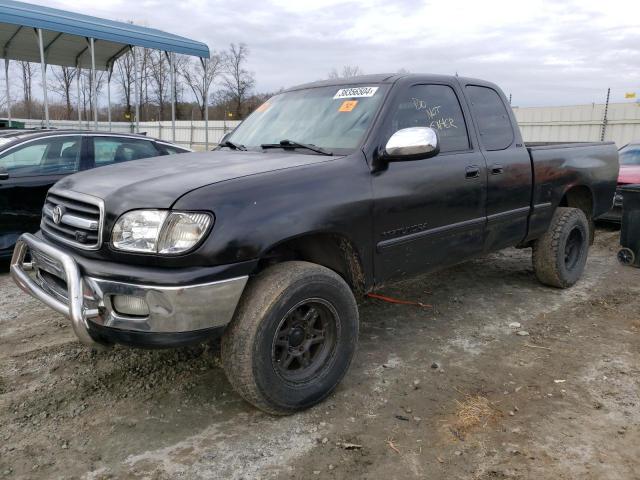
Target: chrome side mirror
[[413, 143]]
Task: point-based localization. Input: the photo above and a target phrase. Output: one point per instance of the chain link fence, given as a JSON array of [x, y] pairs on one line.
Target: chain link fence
[[188, 134]]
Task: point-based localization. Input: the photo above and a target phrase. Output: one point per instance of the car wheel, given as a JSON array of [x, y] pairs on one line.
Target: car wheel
[[559, 256], [292, 338]]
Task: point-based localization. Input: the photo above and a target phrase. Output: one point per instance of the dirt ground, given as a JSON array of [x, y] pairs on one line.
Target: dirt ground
[[452, 391]]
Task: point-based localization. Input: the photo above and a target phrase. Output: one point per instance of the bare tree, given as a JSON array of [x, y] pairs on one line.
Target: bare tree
[[125, 76], [28, 73], [86, 98], [144, 68], [348, 71], [62, 84], [160, 71], [238, 82], [200, 81]]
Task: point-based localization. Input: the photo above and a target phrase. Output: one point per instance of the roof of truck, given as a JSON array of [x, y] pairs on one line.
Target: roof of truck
[[388, 78]]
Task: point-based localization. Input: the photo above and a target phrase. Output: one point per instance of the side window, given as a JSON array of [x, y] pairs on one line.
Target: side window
[[50, 156], [172, 150], [434, 106], [110, 150], [494, 124]]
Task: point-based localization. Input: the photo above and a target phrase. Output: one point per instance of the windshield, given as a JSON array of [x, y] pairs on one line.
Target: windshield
[[630, 155], [334, 118]]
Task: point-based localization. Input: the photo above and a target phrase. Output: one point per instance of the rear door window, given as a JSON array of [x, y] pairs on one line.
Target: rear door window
[[48, 156], [494, 124], [434, 106], [110, 150]]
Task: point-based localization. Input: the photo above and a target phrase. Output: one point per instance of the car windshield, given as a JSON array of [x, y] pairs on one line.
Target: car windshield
[[333, 118], [630, 155]]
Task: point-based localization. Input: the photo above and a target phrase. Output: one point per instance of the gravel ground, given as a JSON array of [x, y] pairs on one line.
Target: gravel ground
[[453, 391]]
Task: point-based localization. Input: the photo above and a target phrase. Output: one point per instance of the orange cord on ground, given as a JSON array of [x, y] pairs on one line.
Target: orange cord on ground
[[398, 301]]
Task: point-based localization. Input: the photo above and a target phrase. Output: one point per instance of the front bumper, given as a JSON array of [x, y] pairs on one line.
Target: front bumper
[[55, 278]]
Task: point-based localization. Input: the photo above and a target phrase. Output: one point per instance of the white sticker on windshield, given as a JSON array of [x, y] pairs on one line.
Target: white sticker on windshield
[[354, 92]]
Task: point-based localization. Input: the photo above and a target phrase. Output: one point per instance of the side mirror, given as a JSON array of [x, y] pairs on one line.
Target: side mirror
[[4, 175], [413, 143]]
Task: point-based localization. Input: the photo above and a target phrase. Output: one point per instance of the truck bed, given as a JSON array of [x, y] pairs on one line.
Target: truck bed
[[559, 167]]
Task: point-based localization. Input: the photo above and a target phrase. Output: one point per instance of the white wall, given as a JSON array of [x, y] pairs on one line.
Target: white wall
[[538, 124], [580, 123]]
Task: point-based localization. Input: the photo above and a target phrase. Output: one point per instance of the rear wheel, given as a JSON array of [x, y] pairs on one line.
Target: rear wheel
[[292, 338], [559, 256]]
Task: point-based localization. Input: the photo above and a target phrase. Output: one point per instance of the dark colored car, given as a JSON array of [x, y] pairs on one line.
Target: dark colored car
[[326, 192], [31, 161], [629, 175]]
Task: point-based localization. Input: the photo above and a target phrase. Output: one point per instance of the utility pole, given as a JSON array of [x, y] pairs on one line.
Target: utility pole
[[604, 120]]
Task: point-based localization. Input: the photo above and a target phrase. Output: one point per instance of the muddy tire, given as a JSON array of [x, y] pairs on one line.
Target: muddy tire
[[292, 338], [559, 256]]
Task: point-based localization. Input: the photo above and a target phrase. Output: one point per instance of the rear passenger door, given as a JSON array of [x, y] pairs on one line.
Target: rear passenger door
[[509, 173], [109, 150]]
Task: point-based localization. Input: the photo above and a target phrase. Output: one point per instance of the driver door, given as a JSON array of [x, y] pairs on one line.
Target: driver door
[[32, 168], [429, 213]]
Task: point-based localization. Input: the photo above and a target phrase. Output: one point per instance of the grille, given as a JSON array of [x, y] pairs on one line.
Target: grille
[[73, 218]]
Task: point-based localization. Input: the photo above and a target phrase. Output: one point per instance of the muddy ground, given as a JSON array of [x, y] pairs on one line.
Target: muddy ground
[[449, 392]]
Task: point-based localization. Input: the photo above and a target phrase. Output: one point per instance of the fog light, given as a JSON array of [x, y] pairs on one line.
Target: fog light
[[128, 305]]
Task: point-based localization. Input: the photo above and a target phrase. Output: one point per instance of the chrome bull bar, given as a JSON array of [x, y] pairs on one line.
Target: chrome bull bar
[[74, 309]]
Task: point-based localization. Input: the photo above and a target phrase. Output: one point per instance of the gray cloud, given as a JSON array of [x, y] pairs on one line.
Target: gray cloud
[[542, 52]]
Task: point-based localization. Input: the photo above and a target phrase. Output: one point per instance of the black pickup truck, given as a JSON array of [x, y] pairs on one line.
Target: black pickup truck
[[325, 192]]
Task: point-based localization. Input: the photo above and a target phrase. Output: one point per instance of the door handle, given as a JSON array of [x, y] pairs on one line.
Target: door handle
[[497, 169], [472, 171]]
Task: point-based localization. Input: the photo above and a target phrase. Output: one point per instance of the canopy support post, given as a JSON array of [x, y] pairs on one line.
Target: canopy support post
[[78, 75], [135, 86], [44, 78], [6, 79], [172, 79], [94, 89], [205, 101], [109, 73]]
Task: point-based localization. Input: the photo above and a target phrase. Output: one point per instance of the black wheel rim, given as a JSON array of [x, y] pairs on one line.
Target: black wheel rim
[[305, 341], [626, 256], [573, 248]]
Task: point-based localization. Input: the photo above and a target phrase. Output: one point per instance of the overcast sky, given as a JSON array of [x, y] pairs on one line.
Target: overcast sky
[[541, 52]]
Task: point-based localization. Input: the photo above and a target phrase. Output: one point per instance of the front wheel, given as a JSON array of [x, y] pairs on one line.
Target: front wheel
[[559, 256], [292, 338]]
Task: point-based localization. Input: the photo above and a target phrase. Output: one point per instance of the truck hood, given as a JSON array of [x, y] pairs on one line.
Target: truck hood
[[159, 181]]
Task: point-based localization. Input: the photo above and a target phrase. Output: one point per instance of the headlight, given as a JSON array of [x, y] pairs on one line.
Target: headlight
[[159, 231]]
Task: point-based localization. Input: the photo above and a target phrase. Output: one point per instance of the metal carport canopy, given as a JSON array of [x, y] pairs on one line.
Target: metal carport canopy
[[65, 37], [76, 40]]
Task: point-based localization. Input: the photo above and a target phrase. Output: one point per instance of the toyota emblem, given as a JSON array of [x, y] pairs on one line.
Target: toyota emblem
[[56, 215]]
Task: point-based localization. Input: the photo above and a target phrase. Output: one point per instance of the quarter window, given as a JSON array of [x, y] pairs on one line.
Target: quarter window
[[494, 124], [171, 150], [434, 106]]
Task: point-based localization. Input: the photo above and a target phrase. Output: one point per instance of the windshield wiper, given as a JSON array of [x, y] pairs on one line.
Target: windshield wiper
[[292, 144], [234, 146]]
